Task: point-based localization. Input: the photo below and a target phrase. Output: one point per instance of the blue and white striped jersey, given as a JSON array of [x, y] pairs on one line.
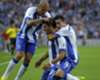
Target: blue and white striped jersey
[[55, 46], [31, 33], [70, 36]]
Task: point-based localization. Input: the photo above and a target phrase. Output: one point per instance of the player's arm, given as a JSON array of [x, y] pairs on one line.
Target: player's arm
[[29, 17], [62, 50], [54, 61], [36, 21], [43, 58], [39, 21], [59, 58]]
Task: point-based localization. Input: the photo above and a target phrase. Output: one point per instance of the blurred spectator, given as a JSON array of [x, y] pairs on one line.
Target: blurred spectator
[[81, 33], [12, 33], [6, 41], [74, 11], [1, 42]]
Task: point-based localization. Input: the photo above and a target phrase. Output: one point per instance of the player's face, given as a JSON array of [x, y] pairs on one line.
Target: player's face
[[58, 23], [48, 29]]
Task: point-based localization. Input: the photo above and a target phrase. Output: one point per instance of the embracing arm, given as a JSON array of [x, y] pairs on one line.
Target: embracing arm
[[34, 22], [43, 58], [37, 21], [58, 58]]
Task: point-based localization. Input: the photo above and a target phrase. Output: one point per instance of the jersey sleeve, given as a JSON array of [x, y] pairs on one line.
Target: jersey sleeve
[[63, 31], [29, 12], [47, 14], [62, 45]]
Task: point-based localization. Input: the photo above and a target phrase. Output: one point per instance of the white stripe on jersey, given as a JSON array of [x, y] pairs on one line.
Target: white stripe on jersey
[[50, 51], [30, 14], [55, 46], [69, 33]]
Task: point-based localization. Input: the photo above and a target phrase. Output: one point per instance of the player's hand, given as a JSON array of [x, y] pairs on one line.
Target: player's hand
[[45, 66], [38, 63], [45, 20]]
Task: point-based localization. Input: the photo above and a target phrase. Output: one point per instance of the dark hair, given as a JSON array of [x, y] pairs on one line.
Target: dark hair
[[51, 23], [59, 17], [11, 21]]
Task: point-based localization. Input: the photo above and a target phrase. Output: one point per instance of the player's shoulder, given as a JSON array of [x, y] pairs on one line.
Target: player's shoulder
[[71, 28], [68, 28], [63, 31], [31, 9], [47, 14]]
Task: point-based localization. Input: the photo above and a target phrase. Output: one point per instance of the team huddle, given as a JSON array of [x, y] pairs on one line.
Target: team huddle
[[62, 48]]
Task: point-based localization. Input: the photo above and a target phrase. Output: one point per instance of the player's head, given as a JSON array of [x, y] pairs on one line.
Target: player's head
[[60, 21], [42, 7], [50, 26], [12, 23]]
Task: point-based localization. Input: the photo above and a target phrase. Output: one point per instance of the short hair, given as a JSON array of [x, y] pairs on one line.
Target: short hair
[[59, 17], [50, 22], [11, 21], [43, 3]]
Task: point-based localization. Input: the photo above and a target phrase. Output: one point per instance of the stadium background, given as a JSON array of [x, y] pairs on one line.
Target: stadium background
[[83, 15]]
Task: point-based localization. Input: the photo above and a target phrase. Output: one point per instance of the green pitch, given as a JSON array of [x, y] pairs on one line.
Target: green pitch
[[87, 69]]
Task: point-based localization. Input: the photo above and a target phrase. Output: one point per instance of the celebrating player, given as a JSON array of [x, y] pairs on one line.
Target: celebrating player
[[69, 34], [62, 50], [27, 37]]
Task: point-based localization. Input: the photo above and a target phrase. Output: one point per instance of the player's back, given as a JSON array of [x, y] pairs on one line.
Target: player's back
[[70, 36], [56, 46]]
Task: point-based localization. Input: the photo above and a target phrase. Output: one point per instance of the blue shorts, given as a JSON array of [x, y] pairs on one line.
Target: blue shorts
[[45, 74], [25, 46], [67, 65]]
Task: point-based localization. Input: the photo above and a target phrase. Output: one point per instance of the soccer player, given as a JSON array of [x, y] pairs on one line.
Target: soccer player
[[12, 33], [71, 57], [69, 34], [27, 37]]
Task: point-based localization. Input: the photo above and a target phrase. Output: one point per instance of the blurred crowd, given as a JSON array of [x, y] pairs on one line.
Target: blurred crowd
[[83, 15]]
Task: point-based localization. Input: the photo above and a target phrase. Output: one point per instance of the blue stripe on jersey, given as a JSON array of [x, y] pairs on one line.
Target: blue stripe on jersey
[[23, 28], [71, 53], [62, 50], [53, 47], [35, 15]]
